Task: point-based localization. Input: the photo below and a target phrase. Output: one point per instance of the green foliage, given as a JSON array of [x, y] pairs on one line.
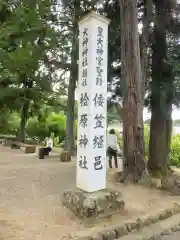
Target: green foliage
[[13, 123], [54, 125], [29, 43], [8, 137], [36, 129], [175, 147], [146, 140], [112, 114], [9, 122], [57, 124], [175, 150]]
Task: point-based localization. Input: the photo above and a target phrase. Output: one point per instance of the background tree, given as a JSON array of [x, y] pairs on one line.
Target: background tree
[[30, 31], [162, 87], [132, 80]]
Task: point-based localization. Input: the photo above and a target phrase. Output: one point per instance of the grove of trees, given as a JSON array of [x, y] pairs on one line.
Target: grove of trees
[[39, 72]]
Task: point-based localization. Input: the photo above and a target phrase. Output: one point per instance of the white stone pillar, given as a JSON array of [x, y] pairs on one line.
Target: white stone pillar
[[92, 103]]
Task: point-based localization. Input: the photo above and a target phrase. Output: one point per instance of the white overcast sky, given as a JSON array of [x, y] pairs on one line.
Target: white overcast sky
[[175, 114]]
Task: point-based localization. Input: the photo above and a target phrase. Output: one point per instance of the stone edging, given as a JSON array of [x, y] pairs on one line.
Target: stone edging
[[118, 231]]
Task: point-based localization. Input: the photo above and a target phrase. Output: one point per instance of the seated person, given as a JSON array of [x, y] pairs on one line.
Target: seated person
[[49, 144]]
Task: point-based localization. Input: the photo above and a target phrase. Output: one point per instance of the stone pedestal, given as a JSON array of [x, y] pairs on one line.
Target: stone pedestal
[[65, 157], [91, 205]]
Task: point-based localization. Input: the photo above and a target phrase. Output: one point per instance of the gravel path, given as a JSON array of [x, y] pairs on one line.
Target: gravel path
[[30, 192], [30, 199], [170, 235], [174, 236]]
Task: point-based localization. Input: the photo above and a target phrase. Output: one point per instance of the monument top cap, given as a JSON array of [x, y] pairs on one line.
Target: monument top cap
[[94, 15]]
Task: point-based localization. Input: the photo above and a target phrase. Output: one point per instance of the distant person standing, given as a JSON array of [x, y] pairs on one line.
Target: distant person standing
[[49, 144], [112, 148]]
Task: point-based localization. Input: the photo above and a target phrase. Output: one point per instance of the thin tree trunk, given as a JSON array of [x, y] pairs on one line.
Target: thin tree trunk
[[70, 118], [132, 81], [70, 139], [27, 84], [169, 135], [24, 117]]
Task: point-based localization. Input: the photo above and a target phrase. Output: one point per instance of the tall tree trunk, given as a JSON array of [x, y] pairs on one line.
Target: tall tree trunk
[[161, 99], [132, 97], [70, 139], [27, 84], [145, 44], [24, 117]]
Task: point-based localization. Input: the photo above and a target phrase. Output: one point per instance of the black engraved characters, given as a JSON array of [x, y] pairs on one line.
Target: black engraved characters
[[84, 77], [99, 79], [83, 141], [83, 120], [98, 121], [98, 163], [83, 162], [98, 142], [99, 100], [84, 56], [99, 58], [84, 100]]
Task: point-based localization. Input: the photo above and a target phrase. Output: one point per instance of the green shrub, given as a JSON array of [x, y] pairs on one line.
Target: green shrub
[[37, 129], [62, 144], [175, 150], [146, 140], [13, 124], [56, 124], [8, 137], [9, 123], [30, 141]]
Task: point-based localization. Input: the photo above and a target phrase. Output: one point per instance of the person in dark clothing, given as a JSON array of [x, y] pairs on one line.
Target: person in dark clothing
[[112, 148]]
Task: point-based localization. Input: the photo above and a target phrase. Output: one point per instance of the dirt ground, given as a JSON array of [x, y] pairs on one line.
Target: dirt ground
[[30, 199]]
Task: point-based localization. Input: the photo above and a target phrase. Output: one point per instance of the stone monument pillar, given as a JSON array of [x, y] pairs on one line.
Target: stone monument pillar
[[92, 103], [92, 198]]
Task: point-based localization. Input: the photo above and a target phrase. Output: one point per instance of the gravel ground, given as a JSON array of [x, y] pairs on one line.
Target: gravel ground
[[172, 234], [30, 199]]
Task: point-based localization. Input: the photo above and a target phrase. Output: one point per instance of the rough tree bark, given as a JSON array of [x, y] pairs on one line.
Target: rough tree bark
[[25, 109], [23, 121], [134, 164], [145, 44], [70, 139], [161, 100]]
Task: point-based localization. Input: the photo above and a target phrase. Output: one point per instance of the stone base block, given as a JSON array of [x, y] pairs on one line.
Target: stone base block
[[7, 142], [98, 204], [15, 145], [29, 149], [65, 157]]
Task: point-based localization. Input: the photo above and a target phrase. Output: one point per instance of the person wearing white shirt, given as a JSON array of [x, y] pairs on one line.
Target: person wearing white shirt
[[49, 144], [112, 148]]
